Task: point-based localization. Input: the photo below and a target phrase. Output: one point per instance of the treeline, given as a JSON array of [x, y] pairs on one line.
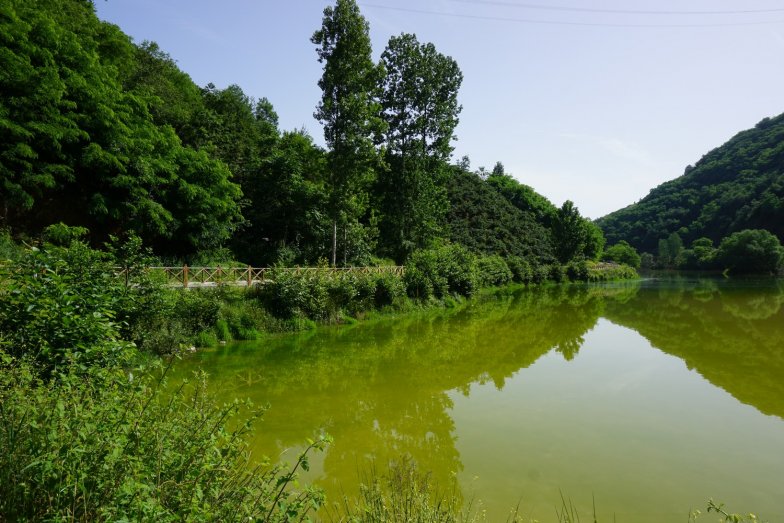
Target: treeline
[[738, 186], [751, 251], [101, 133]]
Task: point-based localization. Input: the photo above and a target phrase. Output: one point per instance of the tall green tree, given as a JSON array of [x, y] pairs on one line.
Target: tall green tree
[[348, 110], [286, 212], [420, 107], [575, 237], [78, 146]]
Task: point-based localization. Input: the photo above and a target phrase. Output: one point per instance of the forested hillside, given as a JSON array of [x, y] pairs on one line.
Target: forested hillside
[[737, 186], [99, 132]]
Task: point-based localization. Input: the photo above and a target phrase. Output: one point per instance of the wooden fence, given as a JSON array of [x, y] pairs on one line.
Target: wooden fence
[[186, 276]]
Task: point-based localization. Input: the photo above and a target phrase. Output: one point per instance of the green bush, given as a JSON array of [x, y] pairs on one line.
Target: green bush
[[365, 300], [122, 447], [701, 255], [197, 309], [8, 249], [610, 271], [426, 274], [521, 269], [418, 283], [222, 330], [342, 291], [624, 253], [58, 306], [557, 273], [750, 251], [540, 273], [404, 494], [389, 289], [493, 271], [439, 271], [206, 338], [62, 235], [578, 270], [288, 295]]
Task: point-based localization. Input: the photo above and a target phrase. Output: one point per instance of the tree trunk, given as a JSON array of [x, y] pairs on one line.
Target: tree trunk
[[345, 246], [334, 242]]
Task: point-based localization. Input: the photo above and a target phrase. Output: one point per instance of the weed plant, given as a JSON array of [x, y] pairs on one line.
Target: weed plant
[[116, 446]]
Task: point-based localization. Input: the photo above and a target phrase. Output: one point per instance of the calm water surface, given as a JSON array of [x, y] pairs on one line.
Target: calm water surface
[[650, 397]]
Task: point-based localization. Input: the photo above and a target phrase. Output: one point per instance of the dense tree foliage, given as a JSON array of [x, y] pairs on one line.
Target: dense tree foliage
[[75, 145], [484, 221], [522, 196], [349, 110], [574, 236], [737, 186], [420, 107], [750, 251], [622, 252], [101, 133]]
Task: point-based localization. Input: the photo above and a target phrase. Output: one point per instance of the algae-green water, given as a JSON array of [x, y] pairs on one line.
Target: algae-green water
[[645, 398]]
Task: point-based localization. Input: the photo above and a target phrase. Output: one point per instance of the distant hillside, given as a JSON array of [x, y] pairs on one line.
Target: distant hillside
[[737, 186], [483, 220]]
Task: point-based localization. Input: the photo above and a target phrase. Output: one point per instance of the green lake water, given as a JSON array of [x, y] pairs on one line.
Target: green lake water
[[649, 397]]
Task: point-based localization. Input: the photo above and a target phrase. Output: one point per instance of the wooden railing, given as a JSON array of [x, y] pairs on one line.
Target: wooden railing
[[186, 276]]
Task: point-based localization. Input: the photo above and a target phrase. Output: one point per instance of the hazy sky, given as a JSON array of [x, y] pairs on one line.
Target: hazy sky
[[596, 101]]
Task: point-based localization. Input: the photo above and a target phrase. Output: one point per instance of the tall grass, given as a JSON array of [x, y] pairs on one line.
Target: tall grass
[[111, 445]]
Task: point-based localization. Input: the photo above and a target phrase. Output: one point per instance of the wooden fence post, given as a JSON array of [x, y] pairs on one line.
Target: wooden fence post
[[185, 276], [250, 276]]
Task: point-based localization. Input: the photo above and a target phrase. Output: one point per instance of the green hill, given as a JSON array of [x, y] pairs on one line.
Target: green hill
[[737, 186]]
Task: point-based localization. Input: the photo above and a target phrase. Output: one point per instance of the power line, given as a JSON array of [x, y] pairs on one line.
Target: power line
[[616, 11], [558, 22]]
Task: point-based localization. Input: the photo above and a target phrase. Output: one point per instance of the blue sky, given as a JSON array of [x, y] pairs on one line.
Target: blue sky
[[576, 98]]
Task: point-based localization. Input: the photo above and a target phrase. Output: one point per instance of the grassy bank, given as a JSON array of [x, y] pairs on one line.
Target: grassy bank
[[435, 278]]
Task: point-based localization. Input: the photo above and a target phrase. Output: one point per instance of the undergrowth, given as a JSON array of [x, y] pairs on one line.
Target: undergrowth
[[114, 445]]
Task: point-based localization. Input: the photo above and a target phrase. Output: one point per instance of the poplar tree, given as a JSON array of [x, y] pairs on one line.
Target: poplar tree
[[348, 110], [419, 100]]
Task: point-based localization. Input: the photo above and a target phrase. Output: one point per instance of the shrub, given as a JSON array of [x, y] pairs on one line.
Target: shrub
[[750, 251], [540, 273], [493, 271], [521, 269], [206, 338], [198, 309], [624, 253], [342, 291], [556, 273], [578, 270], [450, 268], [418, 284], [701, 255], [63, 235], [120, 447], [426, 269], [289, 295], [365, 300], [404, 493], [8, 249], [389, 289], [610, 271], [59, 307]]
